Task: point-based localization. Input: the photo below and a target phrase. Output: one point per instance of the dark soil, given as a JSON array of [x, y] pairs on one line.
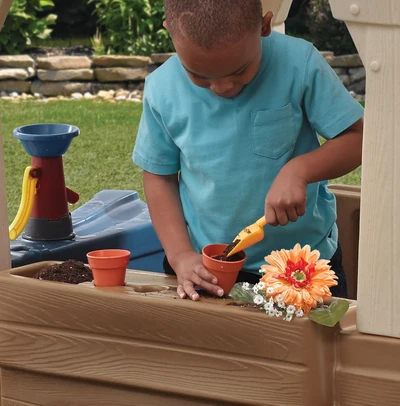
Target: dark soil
[[228, 249], [249, 305], [68, 272], [78, 50]]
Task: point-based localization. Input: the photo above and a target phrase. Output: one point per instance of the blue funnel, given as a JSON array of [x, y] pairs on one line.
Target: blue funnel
[[46, 140]]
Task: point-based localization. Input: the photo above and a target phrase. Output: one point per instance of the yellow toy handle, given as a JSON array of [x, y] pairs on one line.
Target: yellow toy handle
[[262, 221], [28, 193]]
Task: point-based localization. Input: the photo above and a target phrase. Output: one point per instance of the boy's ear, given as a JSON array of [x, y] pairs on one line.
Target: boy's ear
[[267, 24]]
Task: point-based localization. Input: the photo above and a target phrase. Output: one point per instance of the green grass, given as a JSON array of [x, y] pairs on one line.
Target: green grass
[[99, 158]]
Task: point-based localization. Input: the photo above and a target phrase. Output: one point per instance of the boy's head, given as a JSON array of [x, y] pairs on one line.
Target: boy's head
[[218, 41]]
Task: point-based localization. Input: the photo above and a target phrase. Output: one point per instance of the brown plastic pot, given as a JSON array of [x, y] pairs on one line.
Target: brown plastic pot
[[225, 271], [108, 266]]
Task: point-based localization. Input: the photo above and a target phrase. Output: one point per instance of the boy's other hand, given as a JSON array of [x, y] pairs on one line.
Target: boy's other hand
[[190, 271], [286, 199]]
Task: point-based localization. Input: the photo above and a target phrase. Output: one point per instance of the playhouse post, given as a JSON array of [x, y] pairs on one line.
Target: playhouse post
[[375, 28], [5, 261], [280, 8]]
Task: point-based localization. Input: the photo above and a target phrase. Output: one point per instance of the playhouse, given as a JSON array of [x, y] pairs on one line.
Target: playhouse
[[138, 344]]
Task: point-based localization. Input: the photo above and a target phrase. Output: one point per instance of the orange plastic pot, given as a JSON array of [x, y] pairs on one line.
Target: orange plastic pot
[[109, 266], [225, 271]]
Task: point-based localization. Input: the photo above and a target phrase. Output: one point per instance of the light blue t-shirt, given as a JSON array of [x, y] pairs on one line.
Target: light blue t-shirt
[[229, 151]]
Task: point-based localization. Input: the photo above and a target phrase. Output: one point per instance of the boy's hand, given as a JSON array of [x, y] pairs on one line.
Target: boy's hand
[[286, 199], [190, 271]]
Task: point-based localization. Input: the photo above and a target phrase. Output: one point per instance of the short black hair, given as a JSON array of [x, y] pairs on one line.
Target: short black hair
[[209, 23]]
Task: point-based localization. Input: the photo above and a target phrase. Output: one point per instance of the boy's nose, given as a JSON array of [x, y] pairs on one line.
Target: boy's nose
[[221, 88]]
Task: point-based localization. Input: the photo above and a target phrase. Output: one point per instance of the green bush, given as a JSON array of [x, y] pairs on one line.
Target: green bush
[[26, 20], [132, 27], [327, 33]]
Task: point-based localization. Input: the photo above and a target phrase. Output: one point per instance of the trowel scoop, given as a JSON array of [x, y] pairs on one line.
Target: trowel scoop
[[247, 237]]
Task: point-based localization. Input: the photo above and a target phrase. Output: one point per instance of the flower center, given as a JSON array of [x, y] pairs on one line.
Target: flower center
[[298, 274]]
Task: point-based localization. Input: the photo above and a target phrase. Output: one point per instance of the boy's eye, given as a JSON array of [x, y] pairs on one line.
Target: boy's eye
[[242, 72]]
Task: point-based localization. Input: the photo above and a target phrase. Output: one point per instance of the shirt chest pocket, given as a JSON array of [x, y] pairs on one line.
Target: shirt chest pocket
[[273, 132]]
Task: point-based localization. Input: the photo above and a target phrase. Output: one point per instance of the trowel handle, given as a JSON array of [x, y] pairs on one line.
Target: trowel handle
[[262, 221], [72, 197]]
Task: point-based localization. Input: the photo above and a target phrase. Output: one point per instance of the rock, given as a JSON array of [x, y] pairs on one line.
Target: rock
[[120, 98], [345, 79], [19, 86], [326, 53], [3, 94], [106, 95], [95, 87], [15, 74], [37, 95], [59, 88], [357, 74], [88, 96], [63, 62], [340, 71], [135, 99], [122, 92], [77, 96], [66, 74], [14, 94], [16, 61], [120, 74], [51, 99], [159, 59], [358, 88], [117, 60], [59, 97], [344, 61], [6, 98]]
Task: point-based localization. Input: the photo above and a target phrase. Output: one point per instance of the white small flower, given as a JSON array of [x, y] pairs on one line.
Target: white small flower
[[271, 301], [255, 288], [261, 270], [290, 309], [272, 312], [281, 304], [258, 299], [267, 307], [261, 285], [288, 317], [246, 285], [278, 313], [299, 313], [279, 298], [270, 291]]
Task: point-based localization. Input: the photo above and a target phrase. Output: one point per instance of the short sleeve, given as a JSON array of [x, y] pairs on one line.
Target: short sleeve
[[330, 108], [154, 150]]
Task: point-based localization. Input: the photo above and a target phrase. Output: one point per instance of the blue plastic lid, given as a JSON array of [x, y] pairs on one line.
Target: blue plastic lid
[[46, 140]]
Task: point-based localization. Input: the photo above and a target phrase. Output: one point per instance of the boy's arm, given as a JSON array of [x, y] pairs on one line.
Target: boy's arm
[[286, 200], [162, 196]]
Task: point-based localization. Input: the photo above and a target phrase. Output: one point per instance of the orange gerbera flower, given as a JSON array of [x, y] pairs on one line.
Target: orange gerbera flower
[[299, 276]]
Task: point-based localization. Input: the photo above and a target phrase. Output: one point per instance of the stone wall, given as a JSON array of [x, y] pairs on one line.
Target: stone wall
[[116, 76]]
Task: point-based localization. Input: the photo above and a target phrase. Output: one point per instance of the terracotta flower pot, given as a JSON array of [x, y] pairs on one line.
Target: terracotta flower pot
[[225, 271], [108, 266]]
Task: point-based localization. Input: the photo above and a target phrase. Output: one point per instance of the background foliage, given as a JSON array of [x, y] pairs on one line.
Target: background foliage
[[24, 22]]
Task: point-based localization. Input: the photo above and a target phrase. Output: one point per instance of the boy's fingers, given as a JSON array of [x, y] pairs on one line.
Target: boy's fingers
[[190, 291], [206, 275], [282, 217], [181, 292], [301, 210], [270, 216], [292, 214], [213, 289]]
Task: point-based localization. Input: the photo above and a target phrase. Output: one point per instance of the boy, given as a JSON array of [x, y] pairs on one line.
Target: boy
[[229, 132]]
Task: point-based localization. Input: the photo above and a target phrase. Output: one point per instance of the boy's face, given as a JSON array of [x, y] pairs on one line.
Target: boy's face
[[224, 70]]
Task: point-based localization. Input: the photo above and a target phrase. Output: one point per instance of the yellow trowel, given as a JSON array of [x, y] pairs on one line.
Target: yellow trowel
[[247, 237]]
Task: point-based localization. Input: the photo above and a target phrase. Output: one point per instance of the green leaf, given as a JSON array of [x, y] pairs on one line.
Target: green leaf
[[331, 315], [242, 295]]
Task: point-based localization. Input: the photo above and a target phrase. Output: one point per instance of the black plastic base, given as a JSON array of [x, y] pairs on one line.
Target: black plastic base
[[48, 230]]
